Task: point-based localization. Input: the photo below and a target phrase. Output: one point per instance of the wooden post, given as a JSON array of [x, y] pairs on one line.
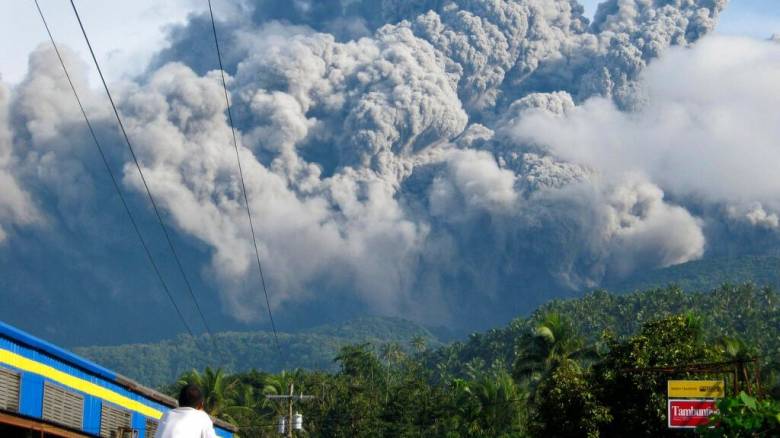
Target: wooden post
[[290, 413], [290, 398]]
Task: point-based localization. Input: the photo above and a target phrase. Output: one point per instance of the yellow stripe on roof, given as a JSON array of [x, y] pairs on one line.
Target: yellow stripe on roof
[[65, 379]]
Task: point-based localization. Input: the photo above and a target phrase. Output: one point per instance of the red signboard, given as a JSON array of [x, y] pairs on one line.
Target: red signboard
[[690, 413]]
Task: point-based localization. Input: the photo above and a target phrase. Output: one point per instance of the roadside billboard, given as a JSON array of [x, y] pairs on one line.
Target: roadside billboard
[[690, 413], [696, 388]]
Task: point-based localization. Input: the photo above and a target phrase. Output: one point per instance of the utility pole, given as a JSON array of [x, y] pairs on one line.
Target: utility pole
[[290, 399]]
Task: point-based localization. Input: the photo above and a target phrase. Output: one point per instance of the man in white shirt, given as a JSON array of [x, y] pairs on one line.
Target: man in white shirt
[[188, 420]]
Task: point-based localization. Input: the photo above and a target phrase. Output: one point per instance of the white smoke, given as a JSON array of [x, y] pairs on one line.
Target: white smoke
[[709, 128], [52, 152], [16, 207], [453, 154], [755, 215], [341, 228]]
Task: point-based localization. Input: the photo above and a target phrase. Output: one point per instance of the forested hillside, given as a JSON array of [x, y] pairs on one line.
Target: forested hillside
[[744, 311], [706, 274], [597, 366], [161, 363], [748, 311]]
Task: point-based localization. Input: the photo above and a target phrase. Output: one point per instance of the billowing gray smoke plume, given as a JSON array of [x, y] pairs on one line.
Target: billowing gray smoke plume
[[709, 128], [436, 158], [16, 208]]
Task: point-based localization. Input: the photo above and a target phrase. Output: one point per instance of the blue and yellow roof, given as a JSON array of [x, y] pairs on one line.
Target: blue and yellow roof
[[38, 361]]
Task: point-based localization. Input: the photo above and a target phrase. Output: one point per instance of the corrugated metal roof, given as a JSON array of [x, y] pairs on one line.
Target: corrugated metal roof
[[21, 337], [31, 341]]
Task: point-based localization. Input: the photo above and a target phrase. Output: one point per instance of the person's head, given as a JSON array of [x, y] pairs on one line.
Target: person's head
[[191, 397]]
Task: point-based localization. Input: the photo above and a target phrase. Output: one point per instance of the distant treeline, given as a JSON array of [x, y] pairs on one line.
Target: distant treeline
[[589, 367], [160, 363], [743, 311], [156, 364]]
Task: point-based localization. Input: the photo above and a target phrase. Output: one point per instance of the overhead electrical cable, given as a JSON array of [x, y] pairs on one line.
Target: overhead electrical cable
[[113, 177], [241, 175], [141, 173], [346, 418]]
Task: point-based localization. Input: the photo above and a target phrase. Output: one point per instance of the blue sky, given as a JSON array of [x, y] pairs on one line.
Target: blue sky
[[755, 18]]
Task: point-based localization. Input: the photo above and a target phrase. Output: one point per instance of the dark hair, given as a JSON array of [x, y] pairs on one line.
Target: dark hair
[[190, 396]]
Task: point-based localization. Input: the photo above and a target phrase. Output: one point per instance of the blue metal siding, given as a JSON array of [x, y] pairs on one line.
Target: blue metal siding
[[31, 395], [92, 407], [31, 391], [39, 344], [223, 433], [76, 372], [138, 423]]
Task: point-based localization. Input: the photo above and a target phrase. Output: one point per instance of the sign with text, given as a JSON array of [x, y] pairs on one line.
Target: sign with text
[[690, 413], [696, 388]]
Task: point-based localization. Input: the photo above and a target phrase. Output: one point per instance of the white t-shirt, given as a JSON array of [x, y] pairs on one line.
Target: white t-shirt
[[185, 423]]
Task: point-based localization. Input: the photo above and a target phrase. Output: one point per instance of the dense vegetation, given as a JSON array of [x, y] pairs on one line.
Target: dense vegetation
[[743, 311], [160, 363], [595, 366], [706, 274]]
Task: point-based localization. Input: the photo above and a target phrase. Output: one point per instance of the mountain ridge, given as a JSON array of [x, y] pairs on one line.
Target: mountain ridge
[[159, 363]]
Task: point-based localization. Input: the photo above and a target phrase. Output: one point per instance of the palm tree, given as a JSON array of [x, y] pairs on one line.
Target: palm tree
[[419, 343], [735, 350], [694, 322], [501, 402], [554, 342], [217, 390], [244, 398], [490, 405], [392, 353], [278, 384]]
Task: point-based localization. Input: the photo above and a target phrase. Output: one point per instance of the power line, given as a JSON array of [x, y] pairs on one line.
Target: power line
[[111, 174], [290, 399], [340, 419], [143, 179], [241, 174], [694, 367]]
